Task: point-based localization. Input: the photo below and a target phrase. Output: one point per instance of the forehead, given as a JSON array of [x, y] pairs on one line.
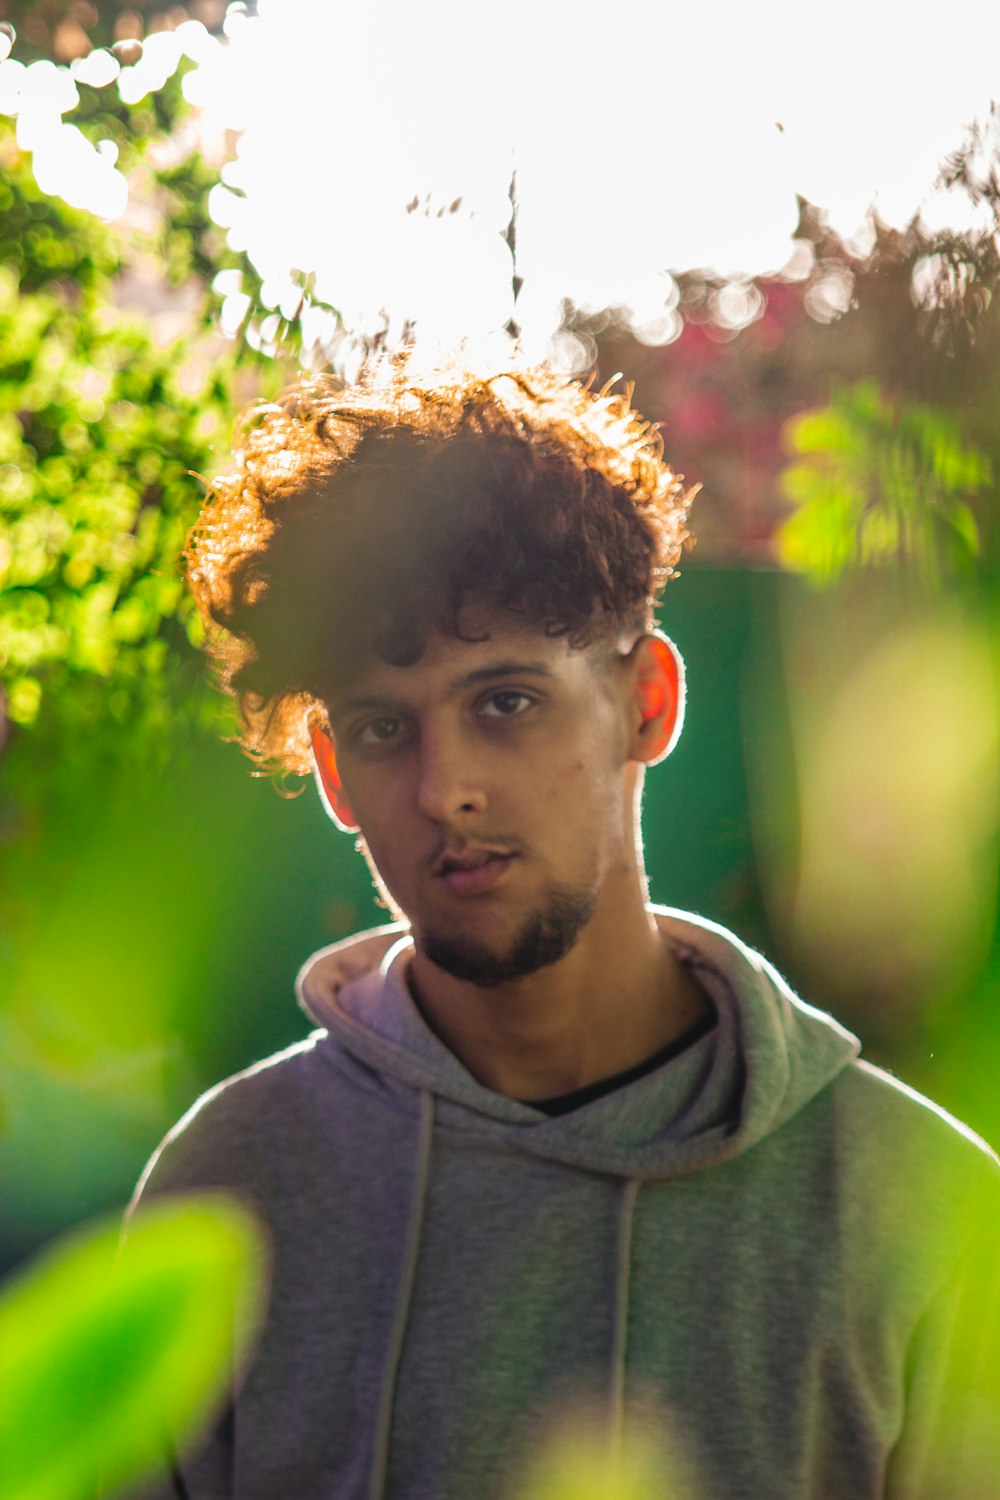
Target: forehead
[[494, 644]]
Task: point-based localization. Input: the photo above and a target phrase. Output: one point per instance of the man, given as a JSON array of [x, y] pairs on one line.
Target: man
[[550, 1146]]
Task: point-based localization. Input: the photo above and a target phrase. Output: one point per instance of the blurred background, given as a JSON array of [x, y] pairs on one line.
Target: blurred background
[[784, 231]]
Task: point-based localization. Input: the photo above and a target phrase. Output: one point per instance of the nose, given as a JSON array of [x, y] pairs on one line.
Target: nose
[[450, 784]]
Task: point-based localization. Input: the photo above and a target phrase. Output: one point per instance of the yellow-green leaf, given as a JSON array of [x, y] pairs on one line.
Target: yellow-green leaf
[[101, 1353]]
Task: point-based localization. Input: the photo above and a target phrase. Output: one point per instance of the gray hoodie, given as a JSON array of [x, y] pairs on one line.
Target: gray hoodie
[[778, 1256]]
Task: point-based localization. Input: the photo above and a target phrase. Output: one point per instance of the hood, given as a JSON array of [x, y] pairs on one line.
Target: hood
[[766, 1057]]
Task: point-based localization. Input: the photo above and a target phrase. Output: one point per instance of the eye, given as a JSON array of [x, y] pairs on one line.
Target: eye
[[378, 731], [505, 705]]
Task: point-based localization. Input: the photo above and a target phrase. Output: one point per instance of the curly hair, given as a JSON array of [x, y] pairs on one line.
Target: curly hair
[[359, 519]]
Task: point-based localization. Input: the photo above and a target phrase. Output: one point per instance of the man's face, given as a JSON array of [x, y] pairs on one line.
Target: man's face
[[492, 785]]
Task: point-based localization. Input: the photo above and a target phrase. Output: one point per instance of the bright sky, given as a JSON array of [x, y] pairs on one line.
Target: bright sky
[[645, 136]]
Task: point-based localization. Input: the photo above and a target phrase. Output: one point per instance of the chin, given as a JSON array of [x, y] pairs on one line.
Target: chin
[[547, 936]]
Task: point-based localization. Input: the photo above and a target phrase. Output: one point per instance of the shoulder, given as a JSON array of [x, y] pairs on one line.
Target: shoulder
[[234, 1124], [909, 1167], [871, 1099]]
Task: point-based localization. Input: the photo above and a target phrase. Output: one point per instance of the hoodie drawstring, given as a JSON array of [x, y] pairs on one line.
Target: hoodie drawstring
[[619, 1332], [383, 1420]]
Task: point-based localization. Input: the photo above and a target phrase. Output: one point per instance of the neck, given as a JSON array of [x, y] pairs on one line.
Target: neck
[[618, 997]]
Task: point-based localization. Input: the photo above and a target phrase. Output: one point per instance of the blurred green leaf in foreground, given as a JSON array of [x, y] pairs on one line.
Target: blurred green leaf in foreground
[[581, 1459], [101, 1352]]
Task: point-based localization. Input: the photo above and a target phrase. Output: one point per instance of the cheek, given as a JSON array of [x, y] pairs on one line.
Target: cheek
[[379, 799], [585, 801], [384, 826]]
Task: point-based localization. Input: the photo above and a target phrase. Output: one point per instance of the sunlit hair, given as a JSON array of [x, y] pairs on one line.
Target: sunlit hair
[[360, 518]]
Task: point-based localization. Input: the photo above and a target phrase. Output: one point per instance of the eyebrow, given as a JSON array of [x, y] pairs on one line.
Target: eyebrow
[[491, 673], [500, 669]]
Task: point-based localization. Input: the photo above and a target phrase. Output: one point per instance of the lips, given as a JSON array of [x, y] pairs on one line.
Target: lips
[[472, 871]]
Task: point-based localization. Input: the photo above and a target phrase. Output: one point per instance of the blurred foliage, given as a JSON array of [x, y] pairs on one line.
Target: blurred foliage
[[99, 429], [959, 275], [874, 762], [915, 312], [44, 243], [581, 1461], [103, 1352], [117, 392], [873, 485], [64, 29]]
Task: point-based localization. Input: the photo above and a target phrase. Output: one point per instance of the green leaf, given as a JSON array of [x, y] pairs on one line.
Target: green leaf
[[102, 1353], [871, 483], [965, 524], [822, 431]]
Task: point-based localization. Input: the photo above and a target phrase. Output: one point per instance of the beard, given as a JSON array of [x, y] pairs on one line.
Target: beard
[[546, 937]]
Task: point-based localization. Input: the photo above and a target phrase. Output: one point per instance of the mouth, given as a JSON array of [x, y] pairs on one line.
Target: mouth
[[473, 871]]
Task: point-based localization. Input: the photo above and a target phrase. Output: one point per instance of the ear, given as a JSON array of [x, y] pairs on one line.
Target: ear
[[329, 784], [659, 697]]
